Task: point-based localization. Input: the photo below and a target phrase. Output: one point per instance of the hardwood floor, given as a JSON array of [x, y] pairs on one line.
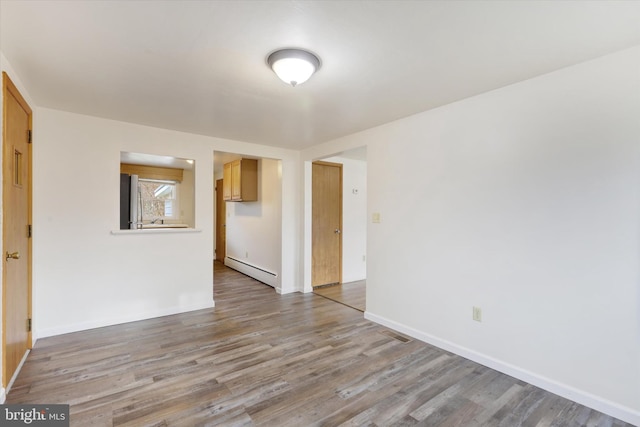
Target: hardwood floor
[[352, 294], [259, 358]]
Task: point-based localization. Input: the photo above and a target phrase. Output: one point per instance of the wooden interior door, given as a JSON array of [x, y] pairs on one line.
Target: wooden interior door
[[221, 222], [326, 238], [16, 242]]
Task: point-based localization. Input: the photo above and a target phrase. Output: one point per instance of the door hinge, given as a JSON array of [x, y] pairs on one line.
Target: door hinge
[[29, 231], [29, 325], [29, 136]]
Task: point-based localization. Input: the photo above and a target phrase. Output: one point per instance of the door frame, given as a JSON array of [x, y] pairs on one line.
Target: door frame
[[340, 167], [9, 89], [221, 229]]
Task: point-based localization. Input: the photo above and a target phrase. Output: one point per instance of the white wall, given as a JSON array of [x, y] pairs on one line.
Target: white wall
[[254, 228], [523, 201], [354, 218], [83, 275]]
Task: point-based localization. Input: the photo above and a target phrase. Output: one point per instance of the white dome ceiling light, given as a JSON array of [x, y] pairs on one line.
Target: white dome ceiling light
[[293, 66]]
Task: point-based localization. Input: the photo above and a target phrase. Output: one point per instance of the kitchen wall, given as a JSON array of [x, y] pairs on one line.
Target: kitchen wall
[[524, 202], [85, 276]]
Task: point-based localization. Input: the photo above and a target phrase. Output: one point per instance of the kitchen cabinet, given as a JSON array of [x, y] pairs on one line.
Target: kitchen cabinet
[[240, 181], [226, 182]]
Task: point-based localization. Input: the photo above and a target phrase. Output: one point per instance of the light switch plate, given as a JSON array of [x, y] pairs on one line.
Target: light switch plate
[[477, 314]]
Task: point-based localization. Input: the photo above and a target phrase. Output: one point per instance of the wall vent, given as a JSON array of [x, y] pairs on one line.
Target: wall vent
[[396, 336]]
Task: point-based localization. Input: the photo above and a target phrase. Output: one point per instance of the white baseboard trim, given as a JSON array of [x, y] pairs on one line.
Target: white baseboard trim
[[582, 397], [250, 270], [3, 396], [50, 332], [15, 375]]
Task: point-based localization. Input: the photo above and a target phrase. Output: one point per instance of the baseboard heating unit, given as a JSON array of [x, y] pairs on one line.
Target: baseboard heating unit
[[262, 275]]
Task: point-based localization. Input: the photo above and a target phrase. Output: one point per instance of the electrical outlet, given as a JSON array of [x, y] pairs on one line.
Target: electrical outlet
[[364, 258], [376, 217], [477, 314]]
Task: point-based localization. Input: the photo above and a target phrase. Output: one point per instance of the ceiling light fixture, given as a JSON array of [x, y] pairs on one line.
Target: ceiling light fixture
[[293, 66]]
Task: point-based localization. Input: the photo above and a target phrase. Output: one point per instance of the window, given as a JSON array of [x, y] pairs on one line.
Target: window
[[159, 199], [162, 193]]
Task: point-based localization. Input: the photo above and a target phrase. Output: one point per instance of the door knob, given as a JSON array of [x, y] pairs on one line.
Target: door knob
[[337, 231], [13, 255]]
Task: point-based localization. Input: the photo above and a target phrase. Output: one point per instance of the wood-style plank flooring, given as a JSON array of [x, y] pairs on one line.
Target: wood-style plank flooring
[[352, 294], [262, 359]]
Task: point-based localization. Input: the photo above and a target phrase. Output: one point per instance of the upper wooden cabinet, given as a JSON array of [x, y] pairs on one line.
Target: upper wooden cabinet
[[226, 182], [240, 181]]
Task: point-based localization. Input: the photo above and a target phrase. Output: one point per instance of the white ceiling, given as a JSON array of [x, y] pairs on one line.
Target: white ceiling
[[199, 66]]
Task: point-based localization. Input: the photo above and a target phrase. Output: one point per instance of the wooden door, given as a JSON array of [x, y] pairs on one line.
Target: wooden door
[[326, 239], [16, 242], [221, 222]]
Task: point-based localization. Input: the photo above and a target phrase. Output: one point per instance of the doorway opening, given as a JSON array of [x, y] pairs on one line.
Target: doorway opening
[[351, 288], [248, 215]]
